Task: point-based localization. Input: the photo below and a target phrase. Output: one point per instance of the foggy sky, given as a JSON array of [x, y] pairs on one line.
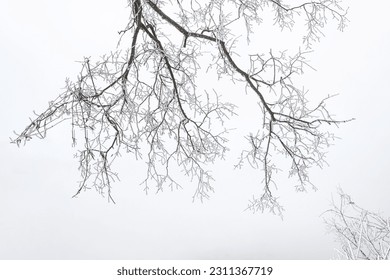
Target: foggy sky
[[40, 42]]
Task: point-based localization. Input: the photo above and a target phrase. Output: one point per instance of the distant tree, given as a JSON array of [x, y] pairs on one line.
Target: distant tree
[[361, 234], [144, 100]]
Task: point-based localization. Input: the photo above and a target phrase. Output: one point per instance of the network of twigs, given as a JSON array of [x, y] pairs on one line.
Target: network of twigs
[[144, 100]]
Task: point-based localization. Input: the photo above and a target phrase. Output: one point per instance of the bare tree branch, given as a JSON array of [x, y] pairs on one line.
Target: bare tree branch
[[144, 100], [361, 234]]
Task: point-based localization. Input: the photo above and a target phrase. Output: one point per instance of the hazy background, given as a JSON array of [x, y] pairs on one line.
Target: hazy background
[[39, 44]]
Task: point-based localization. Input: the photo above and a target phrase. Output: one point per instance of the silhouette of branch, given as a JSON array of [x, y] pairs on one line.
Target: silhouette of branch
[[144, 100]]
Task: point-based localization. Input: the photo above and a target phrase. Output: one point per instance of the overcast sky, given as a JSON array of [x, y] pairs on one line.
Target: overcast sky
[[40, 42]]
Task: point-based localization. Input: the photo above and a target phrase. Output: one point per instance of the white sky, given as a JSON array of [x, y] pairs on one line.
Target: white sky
[[40, 42]]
